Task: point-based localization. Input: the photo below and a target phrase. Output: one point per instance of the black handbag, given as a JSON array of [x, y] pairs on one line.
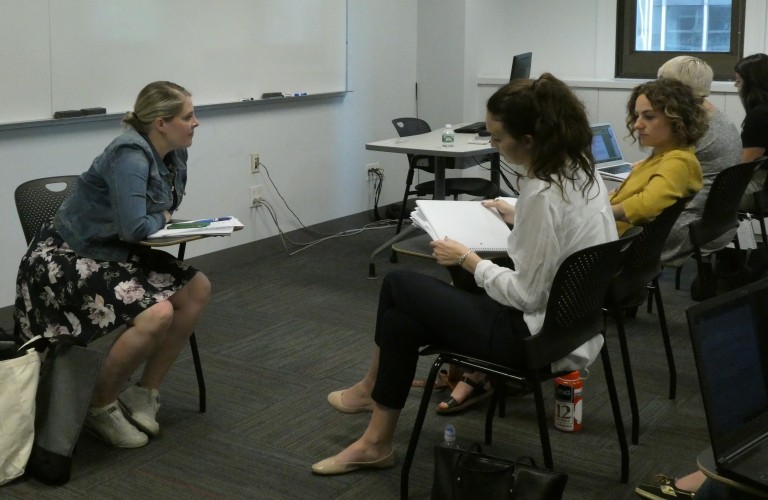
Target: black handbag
[[469, 474]]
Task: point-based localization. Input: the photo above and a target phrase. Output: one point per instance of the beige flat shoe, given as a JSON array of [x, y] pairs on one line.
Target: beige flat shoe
[[334, 399], [330, 467]]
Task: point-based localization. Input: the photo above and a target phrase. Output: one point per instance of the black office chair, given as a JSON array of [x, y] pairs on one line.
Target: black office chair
[[760, 208], [37, 202], [574, 315], [453, 186], [720, 215], [639, 276]]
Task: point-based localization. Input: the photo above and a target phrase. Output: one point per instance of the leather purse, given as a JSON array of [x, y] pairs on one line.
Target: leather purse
[[470, 474]]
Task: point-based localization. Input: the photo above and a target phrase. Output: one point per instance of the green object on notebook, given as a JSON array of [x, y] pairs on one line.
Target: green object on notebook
[[187, 225]]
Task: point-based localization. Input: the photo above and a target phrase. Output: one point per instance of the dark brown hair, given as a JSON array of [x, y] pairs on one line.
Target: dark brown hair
[[753, 71], [548, 111]]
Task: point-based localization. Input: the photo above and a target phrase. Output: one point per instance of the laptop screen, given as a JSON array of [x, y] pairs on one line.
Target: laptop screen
[[521, 66], [605, 147], [730, 342]]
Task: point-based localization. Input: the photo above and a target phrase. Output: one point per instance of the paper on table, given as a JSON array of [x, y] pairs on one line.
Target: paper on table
[[220, 226], [477, 227]]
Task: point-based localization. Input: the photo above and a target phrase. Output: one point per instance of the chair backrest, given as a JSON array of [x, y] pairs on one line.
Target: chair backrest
[[721, 211], [414, 126], [574, 310], [411, 126], [642, 260], [38, 200]]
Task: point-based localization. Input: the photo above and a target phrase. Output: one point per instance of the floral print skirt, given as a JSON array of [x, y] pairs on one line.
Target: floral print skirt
[[61, 293]]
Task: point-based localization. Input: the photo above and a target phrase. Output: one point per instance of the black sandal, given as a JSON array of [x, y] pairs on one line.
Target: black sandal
[[478, 394]]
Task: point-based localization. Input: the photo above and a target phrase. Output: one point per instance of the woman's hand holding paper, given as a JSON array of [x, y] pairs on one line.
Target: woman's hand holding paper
[[505, 209]]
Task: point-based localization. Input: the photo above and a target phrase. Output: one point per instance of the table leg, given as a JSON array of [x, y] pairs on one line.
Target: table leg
[[441, 164], [496, 169]]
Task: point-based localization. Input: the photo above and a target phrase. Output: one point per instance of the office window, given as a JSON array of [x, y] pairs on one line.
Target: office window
[[649, 32]]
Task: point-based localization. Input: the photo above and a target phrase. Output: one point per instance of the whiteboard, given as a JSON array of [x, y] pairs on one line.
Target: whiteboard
[[59, 55]]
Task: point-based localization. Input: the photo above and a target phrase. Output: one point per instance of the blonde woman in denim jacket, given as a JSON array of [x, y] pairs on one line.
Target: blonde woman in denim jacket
[[85, 274]]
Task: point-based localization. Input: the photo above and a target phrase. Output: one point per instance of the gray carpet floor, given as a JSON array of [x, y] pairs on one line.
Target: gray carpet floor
[[281, 332]]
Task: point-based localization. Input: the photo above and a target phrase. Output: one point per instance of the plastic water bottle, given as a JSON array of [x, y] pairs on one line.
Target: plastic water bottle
[[449, 437], [448, 136]]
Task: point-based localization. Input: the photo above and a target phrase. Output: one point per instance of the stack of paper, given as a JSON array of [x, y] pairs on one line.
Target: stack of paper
[[218, 226], [468, 222]]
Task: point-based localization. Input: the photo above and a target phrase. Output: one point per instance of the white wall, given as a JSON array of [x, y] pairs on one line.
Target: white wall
[[315, 152], [441, 52], [458, 50], [573, 40]]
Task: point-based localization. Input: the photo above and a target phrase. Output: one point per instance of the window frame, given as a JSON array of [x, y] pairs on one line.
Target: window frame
[[645, 64]]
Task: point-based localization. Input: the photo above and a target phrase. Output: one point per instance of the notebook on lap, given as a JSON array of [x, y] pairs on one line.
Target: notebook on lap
[[609, 161], [729, 335]]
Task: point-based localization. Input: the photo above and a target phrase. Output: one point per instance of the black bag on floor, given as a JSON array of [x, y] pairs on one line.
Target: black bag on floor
[[469, 474], [729, 269], [67, 379]]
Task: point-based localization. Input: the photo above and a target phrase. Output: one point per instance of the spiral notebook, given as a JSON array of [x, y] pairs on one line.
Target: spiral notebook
[[480, 229]]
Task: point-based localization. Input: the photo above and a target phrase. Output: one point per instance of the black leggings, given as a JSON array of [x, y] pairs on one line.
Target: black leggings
[[417, 310]]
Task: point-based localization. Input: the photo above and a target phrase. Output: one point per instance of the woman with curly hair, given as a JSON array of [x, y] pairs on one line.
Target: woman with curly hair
[[562, 208], [666, 116]]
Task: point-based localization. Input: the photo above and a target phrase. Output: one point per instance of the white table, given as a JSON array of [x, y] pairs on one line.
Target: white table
[[431, 144]]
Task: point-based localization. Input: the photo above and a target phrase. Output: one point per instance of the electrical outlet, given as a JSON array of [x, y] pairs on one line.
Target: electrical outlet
[[257, 196], [254, 163], [369, 169]]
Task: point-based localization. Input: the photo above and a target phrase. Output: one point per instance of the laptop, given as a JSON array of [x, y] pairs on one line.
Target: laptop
[[521, 66], [472, 128], [729, 334], [609, 161]]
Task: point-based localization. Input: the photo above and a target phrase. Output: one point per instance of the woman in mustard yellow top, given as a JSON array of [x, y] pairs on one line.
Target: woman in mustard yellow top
[[666, 116]]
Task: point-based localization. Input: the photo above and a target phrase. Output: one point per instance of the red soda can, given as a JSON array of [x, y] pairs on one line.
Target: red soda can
[[568, 402]]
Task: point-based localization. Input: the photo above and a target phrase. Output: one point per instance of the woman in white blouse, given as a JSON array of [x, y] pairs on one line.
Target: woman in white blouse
[[563, 207]]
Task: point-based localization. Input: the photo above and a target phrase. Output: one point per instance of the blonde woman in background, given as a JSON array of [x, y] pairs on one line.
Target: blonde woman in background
[[718, 149]]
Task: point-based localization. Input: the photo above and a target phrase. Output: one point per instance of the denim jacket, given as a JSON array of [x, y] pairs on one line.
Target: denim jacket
[[120, 199]]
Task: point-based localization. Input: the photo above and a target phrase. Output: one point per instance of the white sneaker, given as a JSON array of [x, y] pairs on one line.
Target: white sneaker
[[140, 406], [109, 424]]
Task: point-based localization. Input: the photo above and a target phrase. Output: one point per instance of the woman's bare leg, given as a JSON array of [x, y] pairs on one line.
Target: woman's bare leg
[[360, 393], [188, 305], [463, 390], [691, 482], [130, 349]]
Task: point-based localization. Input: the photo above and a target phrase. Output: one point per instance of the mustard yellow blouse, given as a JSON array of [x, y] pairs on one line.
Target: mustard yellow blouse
[[655, 184]]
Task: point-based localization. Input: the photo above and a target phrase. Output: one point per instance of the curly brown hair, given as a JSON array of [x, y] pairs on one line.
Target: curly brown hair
[[548, 111], [678, 102]]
